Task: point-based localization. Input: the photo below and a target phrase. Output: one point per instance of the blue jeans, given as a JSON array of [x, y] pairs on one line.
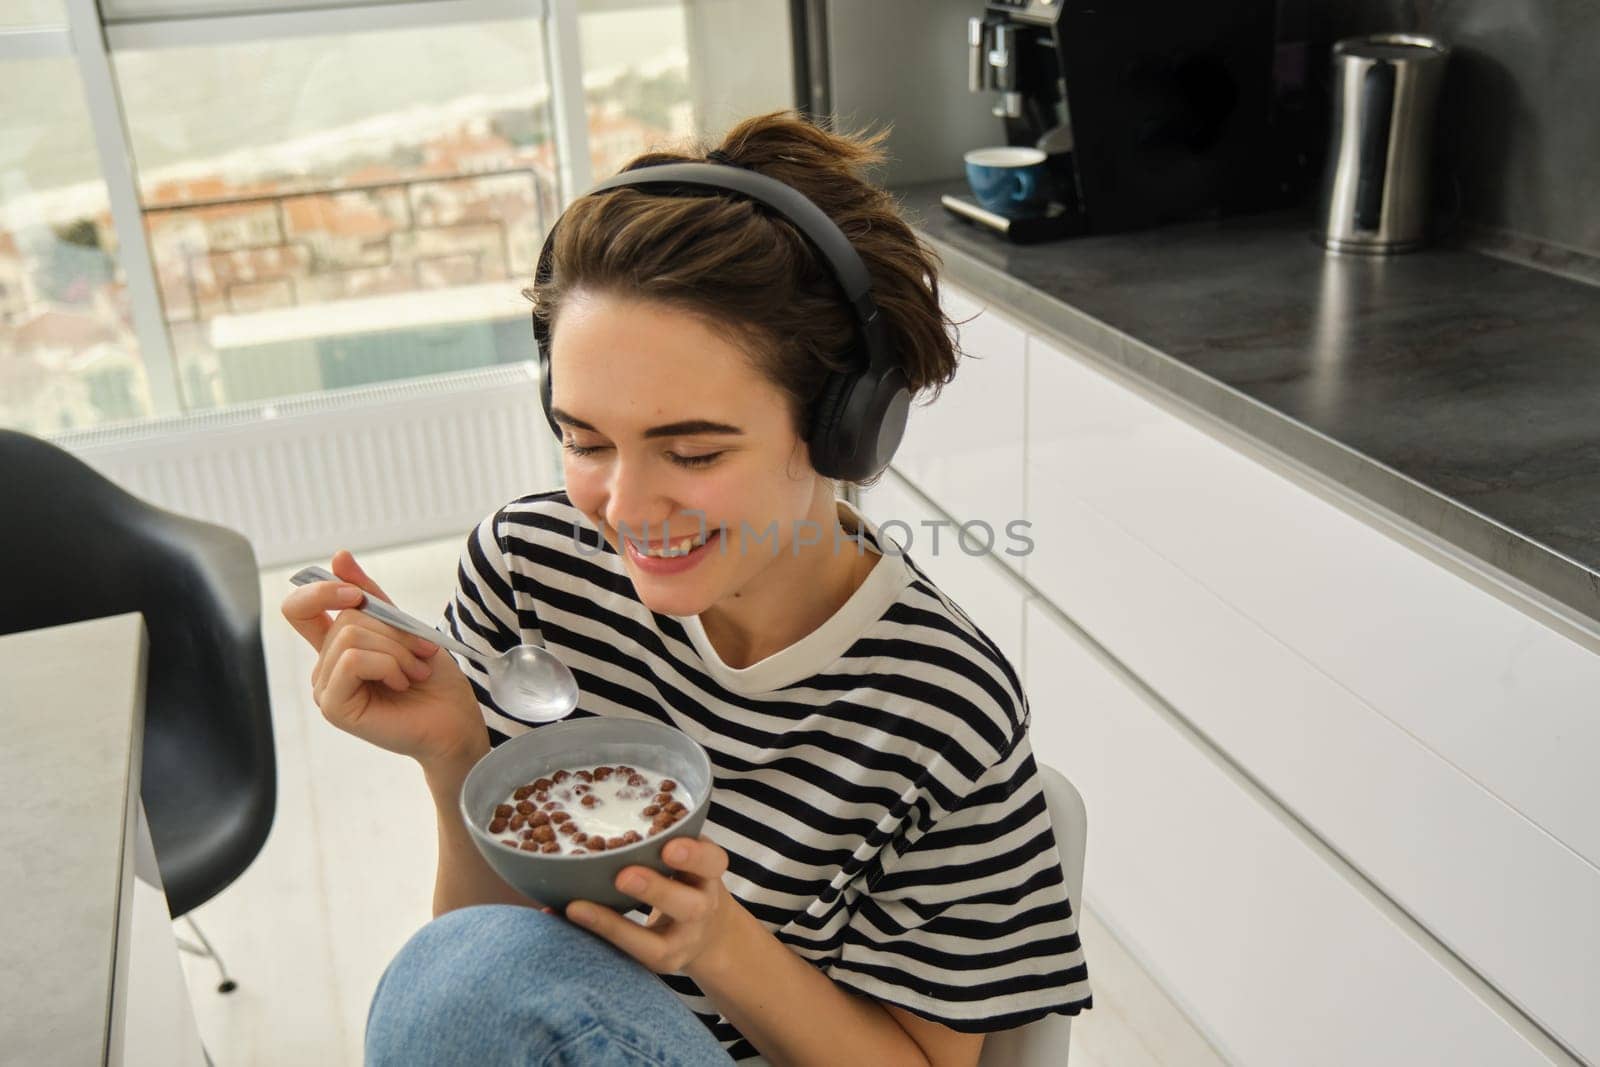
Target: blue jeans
[[500, 985]]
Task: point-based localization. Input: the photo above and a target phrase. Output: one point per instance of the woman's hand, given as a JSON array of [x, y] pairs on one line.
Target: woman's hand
[[379, 683], [692, 917]]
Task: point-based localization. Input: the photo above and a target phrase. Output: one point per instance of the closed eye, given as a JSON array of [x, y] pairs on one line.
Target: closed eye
[[688, 462], [694, 461]]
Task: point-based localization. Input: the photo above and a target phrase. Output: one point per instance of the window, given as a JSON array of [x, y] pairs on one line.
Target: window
[[68, 356], [332, 211], [635, 80], [322, 193]]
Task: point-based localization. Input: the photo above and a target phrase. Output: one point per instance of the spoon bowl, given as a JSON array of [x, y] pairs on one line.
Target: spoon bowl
[[527, 682], [532, 684]]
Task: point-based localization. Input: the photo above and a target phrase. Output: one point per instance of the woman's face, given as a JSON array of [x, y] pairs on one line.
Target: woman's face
[[670, 433]]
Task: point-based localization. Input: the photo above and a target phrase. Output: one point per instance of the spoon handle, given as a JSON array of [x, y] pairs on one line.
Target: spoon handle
[[392, 615]]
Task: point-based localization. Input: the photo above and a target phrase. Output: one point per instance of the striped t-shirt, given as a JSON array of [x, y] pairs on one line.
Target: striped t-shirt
[[874, 786]]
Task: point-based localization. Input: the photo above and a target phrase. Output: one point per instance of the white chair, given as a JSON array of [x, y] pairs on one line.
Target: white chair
[[1044, 1043]]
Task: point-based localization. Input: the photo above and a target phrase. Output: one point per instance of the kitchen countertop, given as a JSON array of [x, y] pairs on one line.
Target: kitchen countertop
[[71, 738], [1456, 390]]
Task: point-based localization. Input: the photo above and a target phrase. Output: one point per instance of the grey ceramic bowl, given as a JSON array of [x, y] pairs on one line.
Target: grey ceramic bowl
[[557, 880]]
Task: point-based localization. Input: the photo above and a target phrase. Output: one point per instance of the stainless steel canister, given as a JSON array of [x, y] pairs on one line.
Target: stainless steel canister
[[1376, 188]]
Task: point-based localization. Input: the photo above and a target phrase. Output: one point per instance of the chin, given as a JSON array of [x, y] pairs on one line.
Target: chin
[[659, 596]]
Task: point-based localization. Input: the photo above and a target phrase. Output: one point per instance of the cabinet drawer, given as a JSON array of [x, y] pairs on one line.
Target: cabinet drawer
[[1111, 476], [1270, 949], [965, 449]]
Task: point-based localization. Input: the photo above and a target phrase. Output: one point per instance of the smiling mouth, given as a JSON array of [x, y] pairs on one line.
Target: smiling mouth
[[672, 550]]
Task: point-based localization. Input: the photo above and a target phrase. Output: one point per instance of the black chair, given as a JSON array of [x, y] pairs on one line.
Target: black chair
[[80, 548]]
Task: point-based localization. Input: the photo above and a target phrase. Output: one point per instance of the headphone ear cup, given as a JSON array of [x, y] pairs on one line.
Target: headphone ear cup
[[825, 441], [891, 411], [871, 424]]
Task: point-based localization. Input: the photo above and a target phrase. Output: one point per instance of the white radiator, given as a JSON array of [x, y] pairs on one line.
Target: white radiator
[[358, 468]]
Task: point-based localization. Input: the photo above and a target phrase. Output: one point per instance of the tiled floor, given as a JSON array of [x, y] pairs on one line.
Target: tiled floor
[[347, 876]]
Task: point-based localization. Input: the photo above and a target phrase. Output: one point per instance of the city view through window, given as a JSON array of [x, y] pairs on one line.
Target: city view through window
[[321, 212]]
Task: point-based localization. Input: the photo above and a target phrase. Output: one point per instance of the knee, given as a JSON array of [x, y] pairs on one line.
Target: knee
[[473, 978], [450, 982], [465, 940]]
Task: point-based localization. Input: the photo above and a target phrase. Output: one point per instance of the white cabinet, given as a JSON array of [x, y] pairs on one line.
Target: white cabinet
[[965, 449], [1435, 735], [1512, 702], [1175, 553], [978, 585], [1272, 951]]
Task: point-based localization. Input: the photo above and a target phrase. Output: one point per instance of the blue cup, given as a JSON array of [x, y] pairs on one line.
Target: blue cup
[[1009, 181]]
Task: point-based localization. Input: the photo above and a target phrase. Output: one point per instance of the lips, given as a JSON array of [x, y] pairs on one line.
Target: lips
[[670, 564], [667, 549]]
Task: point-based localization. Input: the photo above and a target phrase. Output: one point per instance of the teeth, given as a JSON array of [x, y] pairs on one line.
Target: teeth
[[682, 548]]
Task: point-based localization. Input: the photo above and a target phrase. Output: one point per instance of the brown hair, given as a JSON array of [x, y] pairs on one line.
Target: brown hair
[[746, 271]]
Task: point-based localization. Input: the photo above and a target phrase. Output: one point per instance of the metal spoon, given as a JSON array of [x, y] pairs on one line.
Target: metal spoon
[[528, 682]]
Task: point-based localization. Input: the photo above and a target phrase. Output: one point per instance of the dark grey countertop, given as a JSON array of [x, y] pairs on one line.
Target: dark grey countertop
[[1457, 390]]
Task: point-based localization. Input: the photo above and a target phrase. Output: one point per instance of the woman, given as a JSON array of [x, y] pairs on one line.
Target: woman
[[877, 881]]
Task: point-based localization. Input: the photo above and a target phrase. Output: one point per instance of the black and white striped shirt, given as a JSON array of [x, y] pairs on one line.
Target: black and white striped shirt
[[874, 786]]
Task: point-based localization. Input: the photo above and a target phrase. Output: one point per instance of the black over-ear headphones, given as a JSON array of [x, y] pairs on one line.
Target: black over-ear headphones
[[857, 422]]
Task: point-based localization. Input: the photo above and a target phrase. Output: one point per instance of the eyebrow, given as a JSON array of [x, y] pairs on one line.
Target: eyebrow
[[683, 428]]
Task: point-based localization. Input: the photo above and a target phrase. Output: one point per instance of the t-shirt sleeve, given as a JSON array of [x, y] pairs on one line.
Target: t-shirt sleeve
[[484, 613], [968, 923]]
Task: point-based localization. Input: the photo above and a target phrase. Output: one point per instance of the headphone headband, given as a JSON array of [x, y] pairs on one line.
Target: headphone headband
[[699, 179]]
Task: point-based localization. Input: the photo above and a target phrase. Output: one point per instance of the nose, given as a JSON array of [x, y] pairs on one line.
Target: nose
[[634, 507]]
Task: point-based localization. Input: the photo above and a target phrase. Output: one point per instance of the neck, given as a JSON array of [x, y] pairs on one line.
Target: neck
[[794, 596]]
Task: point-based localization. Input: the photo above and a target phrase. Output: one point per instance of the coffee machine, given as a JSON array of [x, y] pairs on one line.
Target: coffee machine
[[1148, 111]]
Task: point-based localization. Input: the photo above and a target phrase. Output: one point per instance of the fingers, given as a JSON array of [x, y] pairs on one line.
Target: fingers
[[357, 631], [646, 946], [679, 901], [354, 667], [307, 607], [697, 856], [345, 566]]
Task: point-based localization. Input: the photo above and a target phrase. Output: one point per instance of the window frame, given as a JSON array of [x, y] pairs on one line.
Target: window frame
[[91, 42]]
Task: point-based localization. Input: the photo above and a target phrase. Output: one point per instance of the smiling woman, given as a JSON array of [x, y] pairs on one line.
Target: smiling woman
[[877, 879]]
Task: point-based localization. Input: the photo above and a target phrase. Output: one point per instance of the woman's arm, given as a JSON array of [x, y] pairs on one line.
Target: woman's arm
[[464, 877], [795, 1015]]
